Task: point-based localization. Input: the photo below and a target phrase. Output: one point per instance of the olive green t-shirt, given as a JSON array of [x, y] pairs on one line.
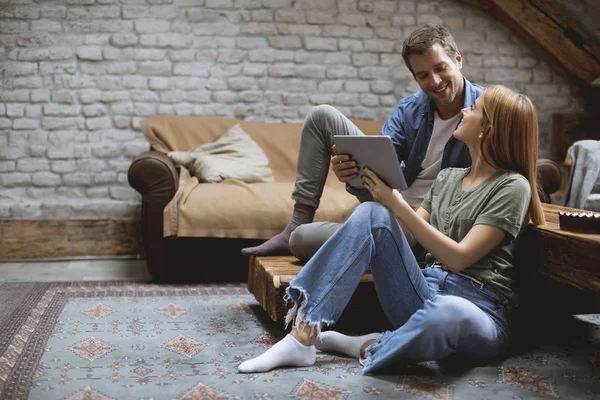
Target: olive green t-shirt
[[501, 200]]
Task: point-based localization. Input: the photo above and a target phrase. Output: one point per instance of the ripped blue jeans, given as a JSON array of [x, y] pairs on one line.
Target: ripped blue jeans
[[436, 314]]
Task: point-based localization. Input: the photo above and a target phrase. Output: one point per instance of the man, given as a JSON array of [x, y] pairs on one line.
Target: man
[[420, 127]]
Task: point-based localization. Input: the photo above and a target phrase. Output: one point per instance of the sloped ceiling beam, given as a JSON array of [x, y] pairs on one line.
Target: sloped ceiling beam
[[555, 35]]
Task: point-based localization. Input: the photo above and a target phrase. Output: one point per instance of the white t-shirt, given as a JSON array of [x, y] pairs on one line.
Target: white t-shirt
[[431, 165]]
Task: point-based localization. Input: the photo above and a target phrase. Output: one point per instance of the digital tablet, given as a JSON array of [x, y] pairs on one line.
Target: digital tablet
[[376, 153]]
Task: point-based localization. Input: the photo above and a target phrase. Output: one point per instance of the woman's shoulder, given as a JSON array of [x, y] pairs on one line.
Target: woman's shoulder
[[448, 179], [452, 173], [514, 179], [510, 183]]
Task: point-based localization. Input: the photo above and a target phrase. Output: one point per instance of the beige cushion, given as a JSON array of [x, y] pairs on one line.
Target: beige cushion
[[233, 156], [233, 208], [280, 142]]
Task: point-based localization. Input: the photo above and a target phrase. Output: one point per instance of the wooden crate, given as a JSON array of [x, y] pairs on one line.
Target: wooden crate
[[268, 277]]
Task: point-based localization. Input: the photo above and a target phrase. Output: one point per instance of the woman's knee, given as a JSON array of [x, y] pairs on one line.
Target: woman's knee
[[374, 212], [450, 311]]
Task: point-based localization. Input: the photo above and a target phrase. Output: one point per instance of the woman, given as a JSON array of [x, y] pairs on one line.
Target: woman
[[460, 304]]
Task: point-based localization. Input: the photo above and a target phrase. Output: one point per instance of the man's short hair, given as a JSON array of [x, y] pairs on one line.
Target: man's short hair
[[423, 38]]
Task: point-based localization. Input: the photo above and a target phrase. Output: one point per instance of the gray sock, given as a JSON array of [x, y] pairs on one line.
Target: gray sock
[[279, 245]]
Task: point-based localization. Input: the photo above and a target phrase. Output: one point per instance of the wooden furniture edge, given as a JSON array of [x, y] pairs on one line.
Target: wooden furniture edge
[[567, 257], [269, 276], [59, 238]]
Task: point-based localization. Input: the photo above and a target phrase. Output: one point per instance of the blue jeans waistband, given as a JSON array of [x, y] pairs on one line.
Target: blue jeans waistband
[[477, 281]]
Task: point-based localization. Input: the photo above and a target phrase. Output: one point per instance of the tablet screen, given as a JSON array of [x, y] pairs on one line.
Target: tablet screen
[[376, 153]]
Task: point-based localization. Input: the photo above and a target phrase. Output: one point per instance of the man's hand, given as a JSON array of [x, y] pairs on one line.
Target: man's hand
[[381, 192], [345, 169]]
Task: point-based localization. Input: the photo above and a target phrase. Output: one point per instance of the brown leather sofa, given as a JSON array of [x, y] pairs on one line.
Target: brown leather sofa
[[193, 232]]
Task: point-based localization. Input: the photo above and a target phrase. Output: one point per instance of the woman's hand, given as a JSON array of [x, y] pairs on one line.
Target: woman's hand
[[381, 192]]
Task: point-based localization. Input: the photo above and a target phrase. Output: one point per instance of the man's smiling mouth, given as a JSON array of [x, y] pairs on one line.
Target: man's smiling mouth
[[441, 89]]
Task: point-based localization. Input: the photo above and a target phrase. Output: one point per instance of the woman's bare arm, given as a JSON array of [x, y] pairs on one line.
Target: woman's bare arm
[[456, 256]]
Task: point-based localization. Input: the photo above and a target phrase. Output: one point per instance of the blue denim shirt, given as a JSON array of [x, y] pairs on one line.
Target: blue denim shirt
[[411, 125]]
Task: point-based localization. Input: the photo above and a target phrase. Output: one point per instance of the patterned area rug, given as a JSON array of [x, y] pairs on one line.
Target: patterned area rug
[[122, 340]]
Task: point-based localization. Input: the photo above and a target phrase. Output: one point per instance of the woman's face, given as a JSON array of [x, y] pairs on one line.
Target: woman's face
[[470, 126]]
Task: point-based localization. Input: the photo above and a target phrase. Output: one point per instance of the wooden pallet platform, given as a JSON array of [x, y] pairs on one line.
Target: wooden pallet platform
[[268, 277]]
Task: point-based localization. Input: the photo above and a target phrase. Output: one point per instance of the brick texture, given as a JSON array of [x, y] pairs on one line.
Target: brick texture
[[77, 77]]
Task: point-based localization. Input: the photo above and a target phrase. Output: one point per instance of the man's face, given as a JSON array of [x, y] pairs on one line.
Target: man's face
[[438, 75]]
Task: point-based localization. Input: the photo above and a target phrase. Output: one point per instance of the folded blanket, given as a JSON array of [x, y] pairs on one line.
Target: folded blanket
[[584, 179], [233, 156]]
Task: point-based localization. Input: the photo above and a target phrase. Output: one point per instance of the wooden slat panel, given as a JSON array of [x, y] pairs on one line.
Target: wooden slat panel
[[584, 280], [45, 238], [552, 227], [570, 258], [270, 276], [555, 35]]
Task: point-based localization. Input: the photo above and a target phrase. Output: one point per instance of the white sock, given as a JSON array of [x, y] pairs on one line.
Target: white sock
[[349, 345], [287, 352]]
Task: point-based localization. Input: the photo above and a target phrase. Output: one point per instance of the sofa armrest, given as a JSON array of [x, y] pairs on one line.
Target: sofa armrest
[[154, 176], [549, 178]]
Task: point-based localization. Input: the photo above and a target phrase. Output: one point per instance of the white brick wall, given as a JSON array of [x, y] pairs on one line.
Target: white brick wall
[[78, 76]]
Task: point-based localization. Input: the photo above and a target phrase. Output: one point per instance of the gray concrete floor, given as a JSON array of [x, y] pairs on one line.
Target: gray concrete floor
[[73, 270]]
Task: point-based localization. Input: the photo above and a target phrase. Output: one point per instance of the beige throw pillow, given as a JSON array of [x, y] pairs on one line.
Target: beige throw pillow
[[234, 155]]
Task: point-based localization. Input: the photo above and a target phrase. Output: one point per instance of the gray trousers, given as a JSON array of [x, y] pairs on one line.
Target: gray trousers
[[308, 238], [321, 124]]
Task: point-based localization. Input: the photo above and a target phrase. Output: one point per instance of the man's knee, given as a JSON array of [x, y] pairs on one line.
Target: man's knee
[[323, 116], [307, 239], [322, 111], [297, 242], [303, 242]]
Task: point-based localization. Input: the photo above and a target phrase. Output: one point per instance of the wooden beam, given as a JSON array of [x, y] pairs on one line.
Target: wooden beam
[[558, 37], [47, 238]]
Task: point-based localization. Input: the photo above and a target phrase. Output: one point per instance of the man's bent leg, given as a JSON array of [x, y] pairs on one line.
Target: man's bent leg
[[321, 124], [307, 239]]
